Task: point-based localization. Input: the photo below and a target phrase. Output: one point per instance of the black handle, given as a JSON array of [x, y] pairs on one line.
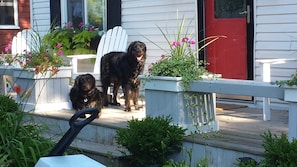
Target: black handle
[[75, 127]]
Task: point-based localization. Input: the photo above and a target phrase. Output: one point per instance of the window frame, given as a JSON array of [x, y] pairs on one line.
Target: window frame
[[16, 18], [64, 13]]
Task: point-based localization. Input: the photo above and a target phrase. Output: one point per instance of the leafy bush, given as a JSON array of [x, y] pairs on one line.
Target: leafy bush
[[151, 139], [279, 151], [21, 143]]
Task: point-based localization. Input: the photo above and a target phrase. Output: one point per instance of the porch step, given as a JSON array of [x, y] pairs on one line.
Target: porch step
[[109, 155], [96, 139]]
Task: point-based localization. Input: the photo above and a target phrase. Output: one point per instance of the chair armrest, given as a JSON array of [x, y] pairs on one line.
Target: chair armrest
[[82, 56], [74, 59]]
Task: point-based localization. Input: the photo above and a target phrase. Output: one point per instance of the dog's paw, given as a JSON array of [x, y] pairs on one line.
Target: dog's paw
[[115, 104], [137, 107], [128, 109]]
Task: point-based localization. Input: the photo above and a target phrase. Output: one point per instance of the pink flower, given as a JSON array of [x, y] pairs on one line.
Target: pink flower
[[81, 24], [163, 57], [175, 43], [185, 39], [192, 42], [149, 68], [7, 48], [59, 45], [70, 25], [91, 29], [60, 52]]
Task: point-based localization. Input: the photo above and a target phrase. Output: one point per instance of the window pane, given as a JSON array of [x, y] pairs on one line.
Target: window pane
[[96, 10], [230, 8], [75, 12], [7, 12]]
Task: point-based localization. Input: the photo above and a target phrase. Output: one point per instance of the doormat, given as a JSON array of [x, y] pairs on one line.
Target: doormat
[[229, 106]]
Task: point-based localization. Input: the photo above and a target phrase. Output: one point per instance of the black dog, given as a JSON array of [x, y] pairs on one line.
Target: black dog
[[84, 93], [122, 69]]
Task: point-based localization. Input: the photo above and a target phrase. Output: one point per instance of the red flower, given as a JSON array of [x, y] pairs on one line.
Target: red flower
[[54, 70], [37, 69], [17, 89]]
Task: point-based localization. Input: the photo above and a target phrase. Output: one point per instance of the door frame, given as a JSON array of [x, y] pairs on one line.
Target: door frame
[[250, 34]]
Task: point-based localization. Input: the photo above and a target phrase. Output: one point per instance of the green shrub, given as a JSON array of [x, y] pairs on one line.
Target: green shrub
[[7, 104], [151, 139], [21, 143], [279, 151]]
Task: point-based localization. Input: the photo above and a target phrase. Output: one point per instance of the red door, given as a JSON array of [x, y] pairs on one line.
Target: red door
[[227, 56]]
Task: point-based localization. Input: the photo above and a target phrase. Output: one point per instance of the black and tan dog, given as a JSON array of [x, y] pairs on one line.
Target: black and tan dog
[[84, 93], [122, 69]]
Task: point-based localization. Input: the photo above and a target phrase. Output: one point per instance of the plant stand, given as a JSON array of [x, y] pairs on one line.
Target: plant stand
[[46, 92], [165, 96]]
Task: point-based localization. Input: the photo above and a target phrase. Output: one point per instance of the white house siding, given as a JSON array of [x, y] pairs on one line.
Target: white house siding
[[141, 19], [40, 16], [275, 37]]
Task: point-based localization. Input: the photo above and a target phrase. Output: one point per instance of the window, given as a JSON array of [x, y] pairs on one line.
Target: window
[[76, 11], [8, 16], [230, 8]]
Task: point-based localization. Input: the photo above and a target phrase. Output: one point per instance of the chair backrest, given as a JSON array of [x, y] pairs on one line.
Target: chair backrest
[[25, 41], [114, 39]]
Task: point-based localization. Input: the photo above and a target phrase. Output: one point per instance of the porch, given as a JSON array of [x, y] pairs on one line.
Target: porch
[[239, 135]]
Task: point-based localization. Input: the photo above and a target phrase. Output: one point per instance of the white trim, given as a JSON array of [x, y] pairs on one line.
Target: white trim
[[15, 15]]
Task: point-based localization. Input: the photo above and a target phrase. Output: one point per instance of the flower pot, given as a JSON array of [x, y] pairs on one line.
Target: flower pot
[[44, 92], [290, 93], [166, 96]]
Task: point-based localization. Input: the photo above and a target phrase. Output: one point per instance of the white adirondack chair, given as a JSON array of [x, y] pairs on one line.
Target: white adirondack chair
[[26, 40], [114, 39]]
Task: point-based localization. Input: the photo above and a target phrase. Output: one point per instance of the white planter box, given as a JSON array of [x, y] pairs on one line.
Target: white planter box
[[165, 96], [47, 93], [290, 93]]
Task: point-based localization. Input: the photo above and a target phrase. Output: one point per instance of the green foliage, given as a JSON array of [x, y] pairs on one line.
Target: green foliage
[[21, 143], [151, 139], [181, 60], [289, 82], [7, 104], [74, 40], [279, 151], [248, 163]]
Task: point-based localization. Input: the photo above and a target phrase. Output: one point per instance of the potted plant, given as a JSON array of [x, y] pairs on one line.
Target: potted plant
[[82, 39], [290, 87], [150, 140], [169, 78], [41, 79]]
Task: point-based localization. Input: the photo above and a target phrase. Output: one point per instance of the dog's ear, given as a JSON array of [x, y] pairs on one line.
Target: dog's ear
[[76, 81], [130, 47]]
